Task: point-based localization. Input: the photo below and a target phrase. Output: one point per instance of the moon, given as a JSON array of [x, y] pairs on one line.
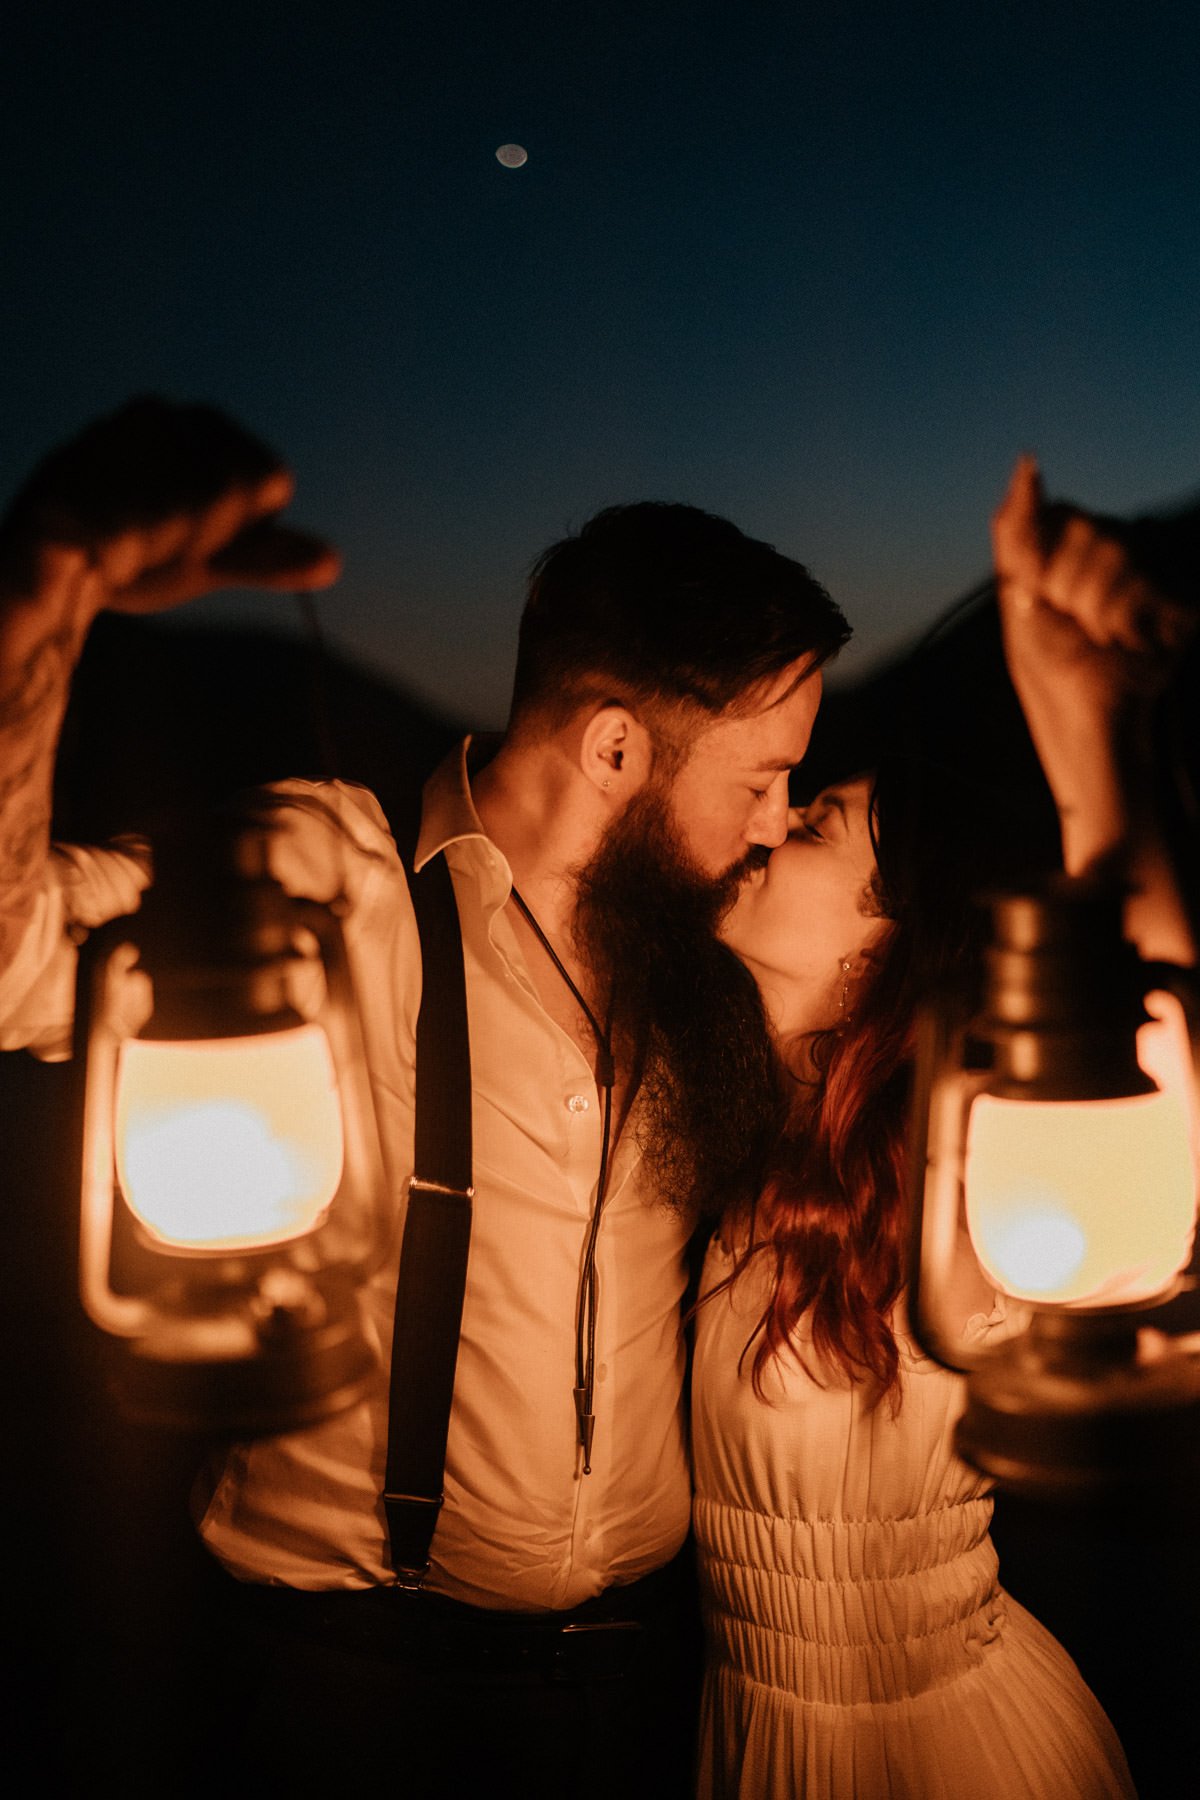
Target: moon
[[512, 156]]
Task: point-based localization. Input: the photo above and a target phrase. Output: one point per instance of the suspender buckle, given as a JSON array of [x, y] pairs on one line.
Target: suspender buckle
[[418, 1185], [411, 1521]]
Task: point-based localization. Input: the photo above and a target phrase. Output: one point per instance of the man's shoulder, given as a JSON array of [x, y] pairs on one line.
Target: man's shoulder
[[343, 804], [331, 837], [437, 798]]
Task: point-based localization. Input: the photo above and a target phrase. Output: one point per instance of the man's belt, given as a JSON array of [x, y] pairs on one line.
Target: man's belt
[[603, 1638]]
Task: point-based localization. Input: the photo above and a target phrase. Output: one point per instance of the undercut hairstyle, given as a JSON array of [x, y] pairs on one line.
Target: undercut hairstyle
[[663, 606]]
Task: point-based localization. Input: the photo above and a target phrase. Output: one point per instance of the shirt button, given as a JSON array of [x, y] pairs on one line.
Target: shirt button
[[577, 1103]]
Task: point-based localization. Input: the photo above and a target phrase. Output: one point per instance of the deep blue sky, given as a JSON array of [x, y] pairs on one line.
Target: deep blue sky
[[822, 268]]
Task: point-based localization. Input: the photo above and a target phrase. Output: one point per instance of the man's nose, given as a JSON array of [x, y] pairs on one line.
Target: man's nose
[[771, 821]]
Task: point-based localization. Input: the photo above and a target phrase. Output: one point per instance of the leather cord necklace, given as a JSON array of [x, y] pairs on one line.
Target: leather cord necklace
[[585, 1310]]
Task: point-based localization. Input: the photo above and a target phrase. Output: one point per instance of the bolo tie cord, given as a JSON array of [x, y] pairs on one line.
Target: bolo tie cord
[[585, 1310]]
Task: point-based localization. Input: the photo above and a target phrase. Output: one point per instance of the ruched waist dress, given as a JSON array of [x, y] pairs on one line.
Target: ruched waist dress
[[859, 1643]]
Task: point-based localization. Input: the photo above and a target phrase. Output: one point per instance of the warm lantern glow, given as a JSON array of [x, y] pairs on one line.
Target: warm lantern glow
[[1080, 1202], [229, 1144]]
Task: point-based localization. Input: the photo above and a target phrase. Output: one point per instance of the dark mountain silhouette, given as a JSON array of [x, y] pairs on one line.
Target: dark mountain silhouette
[[161, 716]]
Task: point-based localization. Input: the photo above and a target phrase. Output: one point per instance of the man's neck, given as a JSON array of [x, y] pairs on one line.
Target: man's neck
[[545, 820]]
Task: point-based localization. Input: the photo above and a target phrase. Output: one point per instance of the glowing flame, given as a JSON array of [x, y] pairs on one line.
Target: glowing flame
[[231, 1144], [1090, 1202]]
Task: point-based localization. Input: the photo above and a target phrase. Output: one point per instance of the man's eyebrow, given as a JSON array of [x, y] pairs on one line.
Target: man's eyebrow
[[781, 765]]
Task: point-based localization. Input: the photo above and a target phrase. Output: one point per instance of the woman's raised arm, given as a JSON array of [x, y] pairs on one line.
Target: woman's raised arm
[[1091, 646]]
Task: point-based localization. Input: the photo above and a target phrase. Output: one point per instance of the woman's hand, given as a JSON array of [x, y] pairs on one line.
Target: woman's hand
[[1091, 645], [1080, 622]]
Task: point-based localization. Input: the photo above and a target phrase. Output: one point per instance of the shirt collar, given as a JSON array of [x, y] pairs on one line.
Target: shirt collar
[[448, 813]]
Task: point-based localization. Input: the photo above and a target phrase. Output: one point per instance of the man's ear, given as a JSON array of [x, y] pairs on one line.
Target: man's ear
[[615, 751]]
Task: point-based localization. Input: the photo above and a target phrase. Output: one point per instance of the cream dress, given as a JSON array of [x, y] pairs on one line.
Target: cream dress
[[859, 1645]]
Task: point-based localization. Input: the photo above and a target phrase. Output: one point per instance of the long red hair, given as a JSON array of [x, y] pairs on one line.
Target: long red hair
[[958, 806], [831, 1211], [830, 1214]]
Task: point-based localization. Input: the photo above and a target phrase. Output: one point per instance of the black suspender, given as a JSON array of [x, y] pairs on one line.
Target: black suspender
[[437, 1232]]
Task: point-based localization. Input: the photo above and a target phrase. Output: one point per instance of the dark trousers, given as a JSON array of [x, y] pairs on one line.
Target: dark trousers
[[432, 1699]]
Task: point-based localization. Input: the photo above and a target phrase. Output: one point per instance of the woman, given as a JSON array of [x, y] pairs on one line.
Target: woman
[[859, 1644]]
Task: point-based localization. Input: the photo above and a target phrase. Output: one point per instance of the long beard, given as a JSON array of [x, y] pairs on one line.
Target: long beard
[[686, 1015]]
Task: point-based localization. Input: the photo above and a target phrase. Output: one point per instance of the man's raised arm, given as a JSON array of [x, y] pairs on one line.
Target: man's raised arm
[[147, 508]]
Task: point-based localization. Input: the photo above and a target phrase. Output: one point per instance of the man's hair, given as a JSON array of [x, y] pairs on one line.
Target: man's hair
[[656, 604]]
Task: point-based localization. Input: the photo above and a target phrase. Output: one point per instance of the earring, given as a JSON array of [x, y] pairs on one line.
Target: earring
[[845, 965], [606, 783]]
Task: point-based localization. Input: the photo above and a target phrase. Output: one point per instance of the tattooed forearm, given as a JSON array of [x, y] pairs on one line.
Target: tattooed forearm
[[23, 839], [37, 686], [143, 511], [37, 657], [19, 779]]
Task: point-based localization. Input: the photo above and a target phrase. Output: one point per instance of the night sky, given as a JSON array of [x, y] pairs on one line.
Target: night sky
[[824, 269]]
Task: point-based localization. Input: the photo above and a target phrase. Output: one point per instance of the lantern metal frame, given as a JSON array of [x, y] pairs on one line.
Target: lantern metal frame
[[250, 1340], [1081, 1401]]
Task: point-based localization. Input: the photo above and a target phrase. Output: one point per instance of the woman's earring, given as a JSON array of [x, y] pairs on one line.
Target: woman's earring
[[843, 1015]]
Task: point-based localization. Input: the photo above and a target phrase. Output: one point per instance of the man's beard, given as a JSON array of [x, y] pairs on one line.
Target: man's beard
[[686, 1014]]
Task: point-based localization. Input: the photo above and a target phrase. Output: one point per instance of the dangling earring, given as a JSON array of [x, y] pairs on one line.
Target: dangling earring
[[843, 1014]]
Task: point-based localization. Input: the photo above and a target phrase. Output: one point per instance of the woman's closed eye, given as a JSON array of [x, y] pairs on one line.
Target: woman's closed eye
[[825, 820]]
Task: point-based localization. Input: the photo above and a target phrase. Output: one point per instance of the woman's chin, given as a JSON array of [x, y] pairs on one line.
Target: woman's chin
[[736, 929]]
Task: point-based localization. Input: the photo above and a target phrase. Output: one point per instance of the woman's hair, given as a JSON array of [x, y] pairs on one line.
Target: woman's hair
[[954, 811], [830, 1215]]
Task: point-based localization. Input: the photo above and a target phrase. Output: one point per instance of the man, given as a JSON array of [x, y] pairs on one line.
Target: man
[[668, 676]]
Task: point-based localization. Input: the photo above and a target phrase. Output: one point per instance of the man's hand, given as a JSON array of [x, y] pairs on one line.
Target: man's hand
[[152, 506], [145, 509]]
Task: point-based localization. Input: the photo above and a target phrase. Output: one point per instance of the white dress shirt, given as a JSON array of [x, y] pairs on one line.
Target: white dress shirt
[[522, 1527]]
